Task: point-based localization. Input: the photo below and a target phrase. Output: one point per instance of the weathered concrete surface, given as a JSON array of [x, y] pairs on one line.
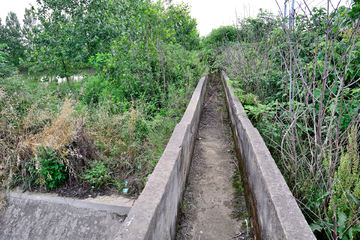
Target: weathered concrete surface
[[154, 214], [33, 219], [211, 209], [277, 213], [113, 204]]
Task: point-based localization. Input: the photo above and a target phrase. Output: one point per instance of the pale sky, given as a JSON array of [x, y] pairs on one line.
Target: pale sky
[[17, 6], [210, 14]]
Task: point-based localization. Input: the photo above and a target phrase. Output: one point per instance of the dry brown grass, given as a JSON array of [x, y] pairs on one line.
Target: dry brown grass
[[24, 131], [56, 135]]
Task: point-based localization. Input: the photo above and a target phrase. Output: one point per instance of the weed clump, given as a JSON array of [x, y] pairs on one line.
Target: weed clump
[[46, 170]]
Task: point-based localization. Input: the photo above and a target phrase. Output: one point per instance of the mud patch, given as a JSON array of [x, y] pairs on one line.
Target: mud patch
[[214, 205]]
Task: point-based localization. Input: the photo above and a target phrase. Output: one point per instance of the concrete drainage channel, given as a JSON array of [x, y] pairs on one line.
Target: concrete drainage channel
[[214, 203], [155, 214]]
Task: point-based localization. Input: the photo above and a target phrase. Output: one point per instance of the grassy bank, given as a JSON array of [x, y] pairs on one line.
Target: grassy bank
[[75, 133]]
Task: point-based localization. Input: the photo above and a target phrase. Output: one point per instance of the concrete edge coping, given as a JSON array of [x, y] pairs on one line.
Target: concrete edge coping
[[287, 211], [191, 108], [111, 204]]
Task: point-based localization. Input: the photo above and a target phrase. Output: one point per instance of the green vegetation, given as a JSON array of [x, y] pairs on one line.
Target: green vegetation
[[6, 69], [108, 128], [46, 169], [98, 175], [300, 86]]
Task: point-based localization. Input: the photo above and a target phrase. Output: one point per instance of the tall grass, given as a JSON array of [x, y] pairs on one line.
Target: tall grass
[[102, 144]]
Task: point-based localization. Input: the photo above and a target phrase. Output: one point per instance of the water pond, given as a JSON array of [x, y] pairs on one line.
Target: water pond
[[44, 80]]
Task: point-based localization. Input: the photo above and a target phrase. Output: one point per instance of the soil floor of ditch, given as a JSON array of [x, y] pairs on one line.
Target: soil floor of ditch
[[214, 205]]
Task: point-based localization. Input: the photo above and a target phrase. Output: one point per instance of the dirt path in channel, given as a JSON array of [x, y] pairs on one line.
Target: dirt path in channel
[[214, 203]]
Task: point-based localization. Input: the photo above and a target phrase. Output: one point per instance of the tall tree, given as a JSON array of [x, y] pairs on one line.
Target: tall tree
[[184, 26], [96, 24], [13, 38], [1, 32], [54, 51], [29, 23], [72, 32], [142, 58]]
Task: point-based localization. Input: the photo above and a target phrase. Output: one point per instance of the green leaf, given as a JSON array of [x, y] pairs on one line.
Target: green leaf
[[315, 227]]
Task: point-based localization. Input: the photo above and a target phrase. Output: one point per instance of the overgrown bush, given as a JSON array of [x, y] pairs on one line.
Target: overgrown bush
[[46, 169], [98, 175]]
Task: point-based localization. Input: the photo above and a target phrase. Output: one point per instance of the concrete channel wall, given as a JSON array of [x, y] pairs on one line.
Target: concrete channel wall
[[154, 215], [276, 214]]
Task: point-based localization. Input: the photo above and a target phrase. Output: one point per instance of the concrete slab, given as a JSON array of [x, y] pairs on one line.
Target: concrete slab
[[47, 216], [113, 204]]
